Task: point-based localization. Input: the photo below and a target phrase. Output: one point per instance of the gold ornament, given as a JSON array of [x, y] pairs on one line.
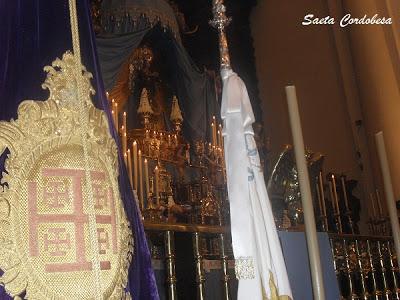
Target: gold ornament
[[46, 249]]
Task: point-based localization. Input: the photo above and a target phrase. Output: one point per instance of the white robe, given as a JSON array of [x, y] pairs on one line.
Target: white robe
[[256, 246]]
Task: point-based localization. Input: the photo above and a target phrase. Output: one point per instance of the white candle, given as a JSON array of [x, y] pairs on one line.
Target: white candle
[[126, 159], [146, 180], [332, 197], [135, 165], [306, 197], [124, 142], [130, 166], [335, 194], [140, 179], [321, 186], [390, 200], [156, 183], [116, 114], [124, 121], [113, 118], [346, 201]]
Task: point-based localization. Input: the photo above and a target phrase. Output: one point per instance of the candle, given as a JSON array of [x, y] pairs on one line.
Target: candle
[[157, 183], [332, 197], [218, 138], [135, 166], [321, 186], [220, 135], [124, 121], [146, 180], [378, 200], [306, 196], [125, 159], [319, 199], [346, 201], [214, 131], [212, 134], [140, 189], [169, 140], [124, 142], [130, 166], [113, 117], [116, 114], [335, 194]]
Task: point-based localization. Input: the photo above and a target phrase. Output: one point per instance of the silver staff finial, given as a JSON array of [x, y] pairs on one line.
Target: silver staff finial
[[220, 21]]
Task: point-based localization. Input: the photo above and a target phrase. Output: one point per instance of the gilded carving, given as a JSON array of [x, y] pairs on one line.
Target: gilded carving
[[45, 248]]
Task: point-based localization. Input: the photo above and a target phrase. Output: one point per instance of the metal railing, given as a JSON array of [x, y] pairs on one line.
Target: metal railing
[[366, 266]]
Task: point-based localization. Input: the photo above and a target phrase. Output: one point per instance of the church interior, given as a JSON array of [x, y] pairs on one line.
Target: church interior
[[158, 64]]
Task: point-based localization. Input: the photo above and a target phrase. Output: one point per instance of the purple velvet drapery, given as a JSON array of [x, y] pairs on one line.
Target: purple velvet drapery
[[32, 34]]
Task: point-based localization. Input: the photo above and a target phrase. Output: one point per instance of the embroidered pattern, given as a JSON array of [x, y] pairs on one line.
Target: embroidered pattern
[[45, 241], [244, 268]]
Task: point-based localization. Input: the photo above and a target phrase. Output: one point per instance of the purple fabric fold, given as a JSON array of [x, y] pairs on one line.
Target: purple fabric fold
[[32, 34]]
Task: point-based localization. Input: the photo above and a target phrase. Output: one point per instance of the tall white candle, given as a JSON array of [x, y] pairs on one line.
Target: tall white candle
[[346, 201], [135, 165], [126, 159], [335, 194], [157, 185], [146, 180], [128, 153], [332, 197], [124, 121], [124, 142], [116, 115], [306, 197], [390, 200], [321, 186], [140, 179]]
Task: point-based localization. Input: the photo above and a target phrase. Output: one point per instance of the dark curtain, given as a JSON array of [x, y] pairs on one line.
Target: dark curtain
[[32, 34], [193, 87]]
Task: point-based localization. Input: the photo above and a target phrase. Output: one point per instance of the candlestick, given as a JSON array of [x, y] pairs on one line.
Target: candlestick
[[140, 179], [157, 183], [130, 166], [146, 180], [135, 165]]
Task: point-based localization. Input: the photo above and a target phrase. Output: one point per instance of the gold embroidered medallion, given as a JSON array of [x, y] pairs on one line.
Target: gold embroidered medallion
[[54, 190]]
